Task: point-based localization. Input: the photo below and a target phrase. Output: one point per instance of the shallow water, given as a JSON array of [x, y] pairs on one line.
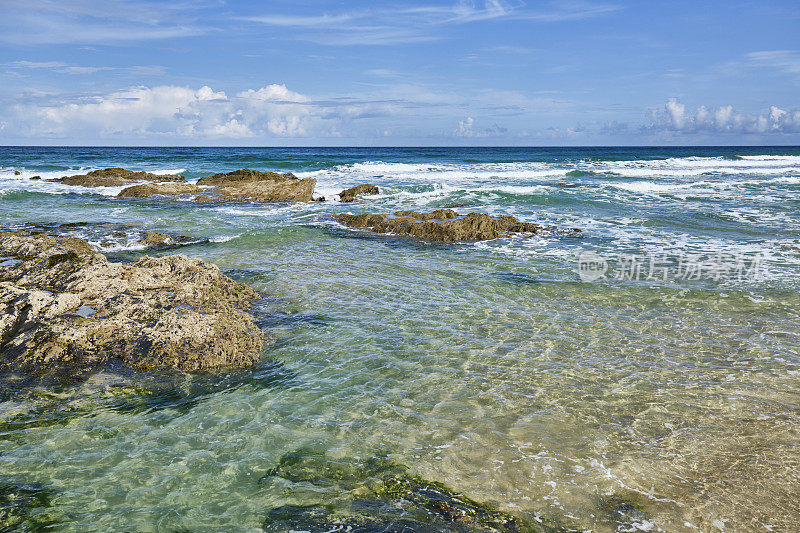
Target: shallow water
[[494, 368]]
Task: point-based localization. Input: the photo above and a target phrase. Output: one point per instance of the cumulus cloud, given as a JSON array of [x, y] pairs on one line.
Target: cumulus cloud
[[465, 128], [163, 111], [171, 110], [723, 119]]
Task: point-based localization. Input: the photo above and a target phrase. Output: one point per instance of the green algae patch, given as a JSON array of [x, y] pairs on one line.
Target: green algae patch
[[381, 495], [24, 507]]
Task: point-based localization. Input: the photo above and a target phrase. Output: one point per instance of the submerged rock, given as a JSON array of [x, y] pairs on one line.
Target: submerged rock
[[153, 189], [21, 508], [384, 497], [348, 195], [624, 513], [168, 312], [115, 177], [445, 225]]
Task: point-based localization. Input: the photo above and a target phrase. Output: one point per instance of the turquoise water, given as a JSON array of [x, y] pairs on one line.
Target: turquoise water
[[500, 369]]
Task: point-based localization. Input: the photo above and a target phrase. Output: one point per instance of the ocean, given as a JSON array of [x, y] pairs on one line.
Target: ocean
[[642, 377]]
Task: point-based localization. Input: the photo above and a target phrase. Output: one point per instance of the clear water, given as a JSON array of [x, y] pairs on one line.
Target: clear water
[[492, 367]]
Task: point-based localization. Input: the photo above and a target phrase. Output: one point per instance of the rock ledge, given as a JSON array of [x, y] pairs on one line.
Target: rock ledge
[[66, 309], [445, 225]]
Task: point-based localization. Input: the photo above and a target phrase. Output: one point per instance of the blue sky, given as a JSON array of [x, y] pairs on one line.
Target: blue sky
[[430, 72]]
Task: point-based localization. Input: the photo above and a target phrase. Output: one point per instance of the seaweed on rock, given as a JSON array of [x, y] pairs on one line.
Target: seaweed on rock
[[21, 508], [383, 496]]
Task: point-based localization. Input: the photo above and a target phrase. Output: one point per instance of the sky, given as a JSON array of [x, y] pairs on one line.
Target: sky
[[405, 73]]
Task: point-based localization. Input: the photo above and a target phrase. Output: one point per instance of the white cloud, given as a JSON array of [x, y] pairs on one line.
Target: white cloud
[[676, 113], [465, 128], [724, 119], [273, 92], [162, 111], [94, 21], [787, 61], [66, 68], [419, 24]]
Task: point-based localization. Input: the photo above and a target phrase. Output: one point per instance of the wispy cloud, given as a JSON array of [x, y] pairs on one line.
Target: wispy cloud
[[420, 24], [787, 61], [95, 21], [66, 68]]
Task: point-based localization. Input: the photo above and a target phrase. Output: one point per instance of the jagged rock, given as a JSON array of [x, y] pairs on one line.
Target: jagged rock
[[348, 195], [154, 238], [115, 177], [263, 191], [247, 185], [151, 189], [66, 309], [445, 225], [244, 175]]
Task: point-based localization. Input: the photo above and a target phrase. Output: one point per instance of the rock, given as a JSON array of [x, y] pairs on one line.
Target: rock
[[445, 225], [35, 177], [24, 508], [624, 512], [385, 497], [247, 185], [348, 195], [156, 239], [244, 175], [151, 189], [168, 312], [115, 177], [17, 172], [297, 190]]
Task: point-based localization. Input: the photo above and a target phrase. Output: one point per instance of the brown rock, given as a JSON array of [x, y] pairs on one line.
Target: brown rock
[[348, 195], [247, 185], [155, 238], [17, 172], [35, 177], [445, 225], [244, 175], [115, 177], [65, 308], [152, 189], [297, 190]]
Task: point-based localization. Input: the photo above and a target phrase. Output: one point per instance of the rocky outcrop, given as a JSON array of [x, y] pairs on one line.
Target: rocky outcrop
[[66, 309], [155, 238], [445, 225], [155, 189], [288, 190], [243, 185], [348, 195], [115, 177], [244, 175], [247, 185]]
